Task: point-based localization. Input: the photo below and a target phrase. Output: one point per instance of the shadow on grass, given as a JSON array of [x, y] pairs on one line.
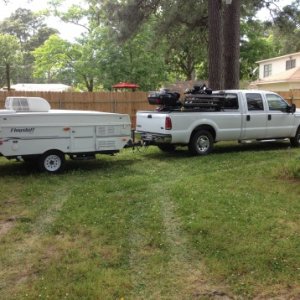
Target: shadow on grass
[[115, 164], [224, 148], [15, 168]]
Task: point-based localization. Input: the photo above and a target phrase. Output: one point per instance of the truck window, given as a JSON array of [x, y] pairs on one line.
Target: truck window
[[231, 101], [254, 101], [275, 102]]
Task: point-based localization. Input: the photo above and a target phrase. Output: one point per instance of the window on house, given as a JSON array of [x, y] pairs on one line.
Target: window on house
[[267, 70], [290, 64]]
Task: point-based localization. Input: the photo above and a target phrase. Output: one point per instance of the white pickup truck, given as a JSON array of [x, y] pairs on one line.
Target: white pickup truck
[[245, 115]]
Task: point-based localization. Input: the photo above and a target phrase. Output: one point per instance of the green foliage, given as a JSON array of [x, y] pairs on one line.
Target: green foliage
[[257, 43], [147, 43], [30, 29], [97, 60], [287, 29], [9, 46], [136, 60], [51, 58], [10, 56]]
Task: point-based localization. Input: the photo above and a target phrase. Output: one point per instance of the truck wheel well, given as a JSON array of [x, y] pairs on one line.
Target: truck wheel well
[[205, 127]]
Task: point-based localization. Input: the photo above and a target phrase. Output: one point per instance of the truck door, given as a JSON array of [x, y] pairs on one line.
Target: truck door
[[255, 117], [280, 121]]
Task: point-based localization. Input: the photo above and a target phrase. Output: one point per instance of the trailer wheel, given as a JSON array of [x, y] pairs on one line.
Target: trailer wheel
[[295, 141], [52, 162], [167, 147], [201, 143]]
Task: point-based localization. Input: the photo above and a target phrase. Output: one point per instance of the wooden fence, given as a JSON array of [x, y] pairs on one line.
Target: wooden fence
[[120, 102]]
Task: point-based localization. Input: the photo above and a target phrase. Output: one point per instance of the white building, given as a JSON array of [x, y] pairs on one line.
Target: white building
[[279, 73], [40, 87]]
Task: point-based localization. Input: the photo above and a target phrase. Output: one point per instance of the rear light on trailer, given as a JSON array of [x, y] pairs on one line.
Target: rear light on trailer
[[168, 123], [1, 142]]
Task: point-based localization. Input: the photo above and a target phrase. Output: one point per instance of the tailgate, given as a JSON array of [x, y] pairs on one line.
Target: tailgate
[[151, 121]]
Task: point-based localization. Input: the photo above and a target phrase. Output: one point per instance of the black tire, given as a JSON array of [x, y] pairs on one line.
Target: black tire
[[52, 162], [167, 147], [295, 141], [201, 142]]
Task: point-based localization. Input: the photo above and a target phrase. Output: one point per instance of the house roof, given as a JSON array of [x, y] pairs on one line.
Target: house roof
[[292, 75], [278, 57], [40, 87]]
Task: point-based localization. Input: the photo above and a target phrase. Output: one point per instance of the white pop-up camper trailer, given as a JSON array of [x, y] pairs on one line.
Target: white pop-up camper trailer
[[32, 131]]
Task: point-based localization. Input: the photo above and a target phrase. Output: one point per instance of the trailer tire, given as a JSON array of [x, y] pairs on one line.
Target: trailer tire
[[52, 162], [167, 147], [201, 142], [295, 141]]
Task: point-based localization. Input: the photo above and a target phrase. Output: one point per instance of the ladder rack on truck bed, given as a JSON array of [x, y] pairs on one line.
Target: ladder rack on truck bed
[[168, 101]]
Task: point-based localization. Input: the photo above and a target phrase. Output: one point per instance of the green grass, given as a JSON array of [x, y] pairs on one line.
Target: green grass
[[150, 225]]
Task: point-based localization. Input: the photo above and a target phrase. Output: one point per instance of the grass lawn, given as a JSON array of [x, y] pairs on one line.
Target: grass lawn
[[151, 225]]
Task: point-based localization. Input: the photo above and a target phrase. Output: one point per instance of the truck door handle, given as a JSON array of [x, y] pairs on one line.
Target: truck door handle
[[248, 118], [269, 117], [149, 116]]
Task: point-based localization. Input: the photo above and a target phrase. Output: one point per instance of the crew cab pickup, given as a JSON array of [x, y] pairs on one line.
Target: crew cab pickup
[[244, 115]]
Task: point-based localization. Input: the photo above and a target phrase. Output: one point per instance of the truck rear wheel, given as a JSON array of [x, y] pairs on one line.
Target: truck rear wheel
[[52, 162], [295, 141], [201, 143]]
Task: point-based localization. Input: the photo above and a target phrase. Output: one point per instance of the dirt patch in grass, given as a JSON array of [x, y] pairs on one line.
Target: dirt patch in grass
[[192, 276], [6, 226], [290, 173], [280, 293]]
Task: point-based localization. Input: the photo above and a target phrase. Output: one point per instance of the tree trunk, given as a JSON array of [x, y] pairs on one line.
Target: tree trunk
[[215, 45], [89, 83], [231, 36], [7, 72]]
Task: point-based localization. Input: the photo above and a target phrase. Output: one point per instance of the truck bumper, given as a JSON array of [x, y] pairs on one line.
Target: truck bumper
[[155, 138]]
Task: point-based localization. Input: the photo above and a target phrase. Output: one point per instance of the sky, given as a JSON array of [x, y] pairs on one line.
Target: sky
[[265, 14], [69, 31]]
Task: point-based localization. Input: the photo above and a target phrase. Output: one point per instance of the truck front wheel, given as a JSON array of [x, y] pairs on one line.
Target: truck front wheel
[[52, 162], [295, 141], [201, 143]]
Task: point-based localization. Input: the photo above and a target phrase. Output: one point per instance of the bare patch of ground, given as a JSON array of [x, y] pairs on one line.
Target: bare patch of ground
[[6, 226]]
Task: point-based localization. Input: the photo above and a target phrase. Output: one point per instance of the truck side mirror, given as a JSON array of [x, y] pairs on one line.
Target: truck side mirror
[[292, 108]]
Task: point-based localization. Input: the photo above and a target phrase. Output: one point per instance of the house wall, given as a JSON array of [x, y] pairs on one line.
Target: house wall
[[280, 86], [278, 64]]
